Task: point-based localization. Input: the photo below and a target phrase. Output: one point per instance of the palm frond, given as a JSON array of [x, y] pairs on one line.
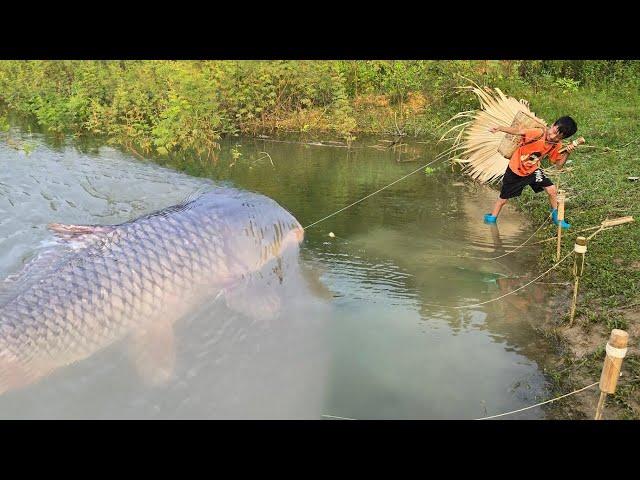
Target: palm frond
[[475, 148]]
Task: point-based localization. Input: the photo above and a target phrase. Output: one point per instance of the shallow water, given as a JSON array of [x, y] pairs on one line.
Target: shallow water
[[366, 334]]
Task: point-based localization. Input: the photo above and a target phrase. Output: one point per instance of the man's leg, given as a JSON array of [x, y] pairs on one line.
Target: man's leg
[[512, 186], [552, 191], [501, 202], [493, 216]]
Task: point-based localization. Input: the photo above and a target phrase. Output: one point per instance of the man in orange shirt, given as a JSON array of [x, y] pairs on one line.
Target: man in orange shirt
[[524, 166]]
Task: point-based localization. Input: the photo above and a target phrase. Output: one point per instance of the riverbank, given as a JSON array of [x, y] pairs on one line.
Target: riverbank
[[167, 108], [598, 187]]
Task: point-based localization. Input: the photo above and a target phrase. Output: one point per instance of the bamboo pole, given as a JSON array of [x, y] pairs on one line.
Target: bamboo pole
[[575, 143], [561, 199], [616, 350], [600, 406], [616, 221], [579, 249]]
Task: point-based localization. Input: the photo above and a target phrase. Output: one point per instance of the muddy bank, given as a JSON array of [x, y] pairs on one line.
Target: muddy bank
[[581, 350]]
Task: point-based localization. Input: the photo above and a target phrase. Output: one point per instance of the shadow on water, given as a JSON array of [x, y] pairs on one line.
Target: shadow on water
[[358, 335]]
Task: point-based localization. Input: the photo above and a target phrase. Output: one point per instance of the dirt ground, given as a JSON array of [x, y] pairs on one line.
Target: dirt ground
[[582, 365]]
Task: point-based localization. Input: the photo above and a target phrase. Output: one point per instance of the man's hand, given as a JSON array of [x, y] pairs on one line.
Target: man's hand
[[494, 129]]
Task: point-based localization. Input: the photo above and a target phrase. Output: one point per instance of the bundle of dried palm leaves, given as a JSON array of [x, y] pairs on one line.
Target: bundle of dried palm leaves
[[474, 147]]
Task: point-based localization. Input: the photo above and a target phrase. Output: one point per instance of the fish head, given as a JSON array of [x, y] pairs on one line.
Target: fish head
[[280, 236], [256, 228], [293, 238]]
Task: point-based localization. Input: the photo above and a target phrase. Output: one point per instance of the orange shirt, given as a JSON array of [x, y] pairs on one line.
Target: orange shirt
[[533, 151]]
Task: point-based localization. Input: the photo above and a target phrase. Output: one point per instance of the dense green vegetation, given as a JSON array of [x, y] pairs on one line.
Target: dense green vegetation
[[162, 106], [159, 107]]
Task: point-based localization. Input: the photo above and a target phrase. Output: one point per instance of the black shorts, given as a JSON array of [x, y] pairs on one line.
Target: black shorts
[[513, 184]]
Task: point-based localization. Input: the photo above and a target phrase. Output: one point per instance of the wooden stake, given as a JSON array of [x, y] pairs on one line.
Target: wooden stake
[[560, 219], [600, 406], [616, 350], [579, 250]]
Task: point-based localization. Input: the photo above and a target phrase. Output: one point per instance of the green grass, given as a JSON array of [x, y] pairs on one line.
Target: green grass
[[599, 189]]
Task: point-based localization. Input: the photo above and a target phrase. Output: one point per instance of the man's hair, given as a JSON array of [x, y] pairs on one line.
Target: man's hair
[[566, 126]]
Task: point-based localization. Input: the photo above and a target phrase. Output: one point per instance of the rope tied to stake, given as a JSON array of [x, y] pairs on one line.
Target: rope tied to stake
[[506, 413], [541, 403]]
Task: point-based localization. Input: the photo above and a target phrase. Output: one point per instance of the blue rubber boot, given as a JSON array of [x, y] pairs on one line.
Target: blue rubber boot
[[488, 218], [554, 217]]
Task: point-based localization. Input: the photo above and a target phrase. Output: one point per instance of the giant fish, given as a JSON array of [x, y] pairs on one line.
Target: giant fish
[[134, 280]]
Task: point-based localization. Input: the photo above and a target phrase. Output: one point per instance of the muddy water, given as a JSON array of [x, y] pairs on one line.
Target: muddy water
[[367, 332]]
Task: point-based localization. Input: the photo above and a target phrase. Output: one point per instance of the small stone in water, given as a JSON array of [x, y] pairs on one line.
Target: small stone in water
[[331, 234]]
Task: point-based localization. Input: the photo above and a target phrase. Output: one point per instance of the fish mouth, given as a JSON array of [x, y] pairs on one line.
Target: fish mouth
[[299, 232]]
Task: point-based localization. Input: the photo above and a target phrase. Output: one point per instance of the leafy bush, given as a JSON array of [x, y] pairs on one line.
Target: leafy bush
[[165, 106]]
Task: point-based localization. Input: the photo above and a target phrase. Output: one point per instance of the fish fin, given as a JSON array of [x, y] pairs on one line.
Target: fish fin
[[50, 258], [184, 205], [65, 231], [79, 236], [257, 303], [153, 352], [195, 194], [36, 268], [13, 376]]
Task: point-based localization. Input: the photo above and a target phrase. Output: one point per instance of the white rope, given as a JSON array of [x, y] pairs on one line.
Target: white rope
[[595, 233], [580, 248], [600, 228], [506, 413], [615, 352], [566, 234], [506, 294], [370, 195], [340, 418], [538, 404]]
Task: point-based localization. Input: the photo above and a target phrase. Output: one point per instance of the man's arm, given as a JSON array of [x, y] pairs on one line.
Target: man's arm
[[563, 156], [509, 130], [561, 160]]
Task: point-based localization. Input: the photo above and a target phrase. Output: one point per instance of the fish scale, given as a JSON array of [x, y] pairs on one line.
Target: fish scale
[[108, 282]]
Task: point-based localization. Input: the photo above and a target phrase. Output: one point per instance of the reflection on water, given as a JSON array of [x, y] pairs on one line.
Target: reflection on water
[[357, 334]]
